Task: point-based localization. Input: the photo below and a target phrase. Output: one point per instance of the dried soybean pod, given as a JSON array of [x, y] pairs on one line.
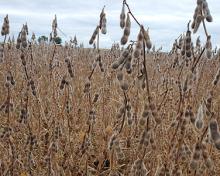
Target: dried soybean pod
[[183, 47], [124, 39], [139, 45], [103, 22], [147, 38], [208, 47], [196, 156], [127, 26], [198, 42], [122, 17], [198, 21], [188, 42], [214, 130], [91, 41], [127, 29], [209, 16], [200, 117]]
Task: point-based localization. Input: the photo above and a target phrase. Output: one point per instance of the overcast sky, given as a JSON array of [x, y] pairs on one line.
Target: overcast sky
[[166, 19]]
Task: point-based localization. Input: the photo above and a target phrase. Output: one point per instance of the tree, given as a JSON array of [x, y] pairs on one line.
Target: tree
[[42, 39], [58, 40], [75, 41]]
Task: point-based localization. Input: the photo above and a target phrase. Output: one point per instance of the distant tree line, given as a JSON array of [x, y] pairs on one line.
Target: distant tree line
[[43, 38]]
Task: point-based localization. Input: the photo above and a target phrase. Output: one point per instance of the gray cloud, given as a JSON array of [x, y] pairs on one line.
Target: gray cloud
[[166, 19]]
